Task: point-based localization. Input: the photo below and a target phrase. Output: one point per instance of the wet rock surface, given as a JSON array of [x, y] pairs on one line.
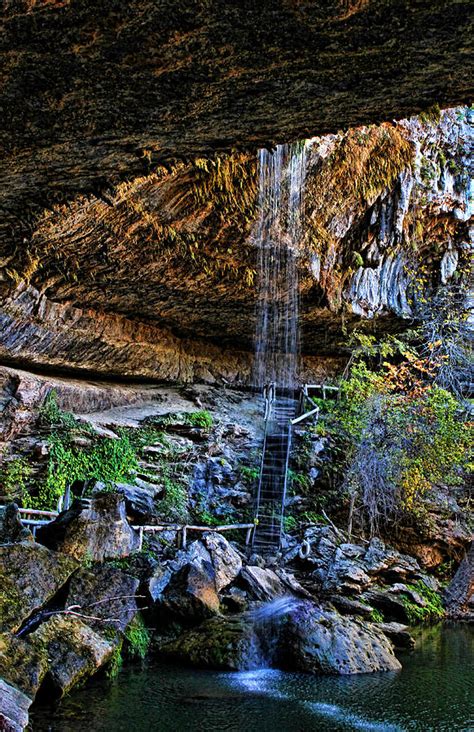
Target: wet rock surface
[[30, 575], [319, 641], [219, 643], [74, 651], [263, 584], [95, 530]]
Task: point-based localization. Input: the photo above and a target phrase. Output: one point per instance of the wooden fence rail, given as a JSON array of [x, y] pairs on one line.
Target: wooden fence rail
[[33, 518], [183, 530]]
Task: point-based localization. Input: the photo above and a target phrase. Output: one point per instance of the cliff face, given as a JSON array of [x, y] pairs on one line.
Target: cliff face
[[159, 279]]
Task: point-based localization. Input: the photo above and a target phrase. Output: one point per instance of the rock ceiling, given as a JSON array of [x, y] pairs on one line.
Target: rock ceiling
[[92, 93]]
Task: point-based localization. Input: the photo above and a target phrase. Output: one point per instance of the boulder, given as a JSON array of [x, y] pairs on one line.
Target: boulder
[[388, 602], [347, 606], [225, 559], [139, 498], [398, 634], [263, 584], [107, 596], [30, 576], [75, 651], [11, 528], [346, 576], [219, 643], [320, 641], [186, 589], [22, 664], [14, 705], [96, 530]]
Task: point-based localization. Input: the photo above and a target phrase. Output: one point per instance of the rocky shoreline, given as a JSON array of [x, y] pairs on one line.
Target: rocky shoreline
[[91, 590], [67, 614]]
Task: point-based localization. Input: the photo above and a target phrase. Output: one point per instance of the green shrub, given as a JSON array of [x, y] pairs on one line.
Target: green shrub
[[115, 663], [249, 474], [206, 518], [51, 416], [14, 478], [434, 608], [110, 461], [201, 419], [290, 523], [376, 616], [138, 637], [174, 505]]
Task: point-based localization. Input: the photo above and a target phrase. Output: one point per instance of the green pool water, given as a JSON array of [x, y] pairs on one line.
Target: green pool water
[[435, 691]]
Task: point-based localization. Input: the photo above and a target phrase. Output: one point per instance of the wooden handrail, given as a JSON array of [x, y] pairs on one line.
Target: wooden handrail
[[182, 531], [37, 512]]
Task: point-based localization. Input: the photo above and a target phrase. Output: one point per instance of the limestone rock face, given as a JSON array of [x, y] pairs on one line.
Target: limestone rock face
[[68, 299], [98, 530], [318, 641], [74, 651], [30, 575], [459, 595], [217, 77]]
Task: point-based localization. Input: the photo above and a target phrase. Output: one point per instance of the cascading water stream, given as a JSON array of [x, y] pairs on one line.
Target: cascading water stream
[[278, 237]]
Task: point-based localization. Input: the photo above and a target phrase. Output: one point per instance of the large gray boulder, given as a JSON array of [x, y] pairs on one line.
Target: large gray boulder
[[139, 498], [225, 559], [75, 651], [346, 576], [104, 597], [320, 641], [186, 589], [263, 584], [96, 530], [30, 575]]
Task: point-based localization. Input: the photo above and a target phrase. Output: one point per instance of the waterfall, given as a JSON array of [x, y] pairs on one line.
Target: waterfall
[[278, 235]]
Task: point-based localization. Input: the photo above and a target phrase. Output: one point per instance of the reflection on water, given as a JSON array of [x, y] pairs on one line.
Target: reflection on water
[[435, 691]]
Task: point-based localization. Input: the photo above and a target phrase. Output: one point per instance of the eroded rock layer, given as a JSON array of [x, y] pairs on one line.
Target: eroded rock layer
[[159, 280]]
